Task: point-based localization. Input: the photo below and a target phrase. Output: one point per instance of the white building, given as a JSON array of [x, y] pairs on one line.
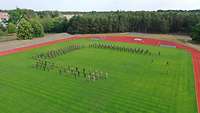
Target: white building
[[69, 16], [4, 16]]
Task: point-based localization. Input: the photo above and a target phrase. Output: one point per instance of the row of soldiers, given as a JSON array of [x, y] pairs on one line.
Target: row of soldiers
[[55, 53], [120, 48], [44, 65], [75, 71], [83, 73]]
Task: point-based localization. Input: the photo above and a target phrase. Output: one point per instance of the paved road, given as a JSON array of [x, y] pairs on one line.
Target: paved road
[[23, 43]]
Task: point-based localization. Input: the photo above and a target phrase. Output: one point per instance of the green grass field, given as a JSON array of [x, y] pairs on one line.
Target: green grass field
[[135, 83]]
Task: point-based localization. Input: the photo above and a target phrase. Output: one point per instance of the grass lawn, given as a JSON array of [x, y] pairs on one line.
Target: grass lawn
[[135, 84]]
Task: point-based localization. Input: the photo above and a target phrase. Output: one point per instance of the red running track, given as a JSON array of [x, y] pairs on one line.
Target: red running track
[[129, 39]]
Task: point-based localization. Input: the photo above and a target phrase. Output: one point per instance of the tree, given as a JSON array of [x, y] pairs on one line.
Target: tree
[[74, 24], [24, 30], [47, 24], [196, 33], [17, 13], [38, 30], [65, 25], [54, 25], [11, 28], [58, 25], [169, 21], [138, 21]]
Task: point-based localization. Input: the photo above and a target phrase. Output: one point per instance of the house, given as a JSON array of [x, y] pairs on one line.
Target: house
[[4, 16], [69, 16]]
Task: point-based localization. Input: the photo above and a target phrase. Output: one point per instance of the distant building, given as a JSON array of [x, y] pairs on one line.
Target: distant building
[[69, 16], [4, 16]]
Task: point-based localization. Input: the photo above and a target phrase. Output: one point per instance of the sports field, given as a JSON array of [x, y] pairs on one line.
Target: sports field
[[159, 81]]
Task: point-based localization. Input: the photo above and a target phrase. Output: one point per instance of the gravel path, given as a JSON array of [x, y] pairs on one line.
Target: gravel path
[[9, 45]]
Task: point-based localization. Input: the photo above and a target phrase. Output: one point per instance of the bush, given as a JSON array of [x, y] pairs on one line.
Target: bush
[[2, 33], [11, 28], [38, 30], [3, 27], [24, 30], [196, 33]]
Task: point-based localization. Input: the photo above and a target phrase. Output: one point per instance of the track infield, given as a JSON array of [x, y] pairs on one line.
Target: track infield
[[136, 40]]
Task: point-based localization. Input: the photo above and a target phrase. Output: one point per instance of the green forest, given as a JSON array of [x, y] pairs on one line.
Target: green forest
[[142, 21], [161, 21]]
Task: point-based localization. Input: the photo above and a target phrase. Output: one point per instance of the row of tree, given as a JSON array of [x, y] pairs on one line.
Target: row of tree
[[148, 22], [50, 21], [181, 22], [170, 21]]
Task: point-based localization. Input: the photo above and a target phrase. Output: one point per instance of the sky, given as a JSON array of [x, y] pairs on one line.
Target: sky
[[101, 5]]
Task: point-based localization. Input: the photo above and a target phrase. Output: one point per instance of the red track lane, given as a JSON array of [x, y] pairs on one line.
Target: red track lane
[[130, 39]]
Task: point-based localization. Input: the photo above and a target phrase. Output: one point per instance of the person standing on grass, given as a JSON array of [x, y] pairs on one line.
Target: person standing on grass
[[78, 72], [76, 68], [84, 73], [45, 65], [159, 53], [72, 70], [75, 74], [106, 75], [93, 78], [60, 71], [48, 66], [152, 61], [88, 76], [38, 63], [101, 75]]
